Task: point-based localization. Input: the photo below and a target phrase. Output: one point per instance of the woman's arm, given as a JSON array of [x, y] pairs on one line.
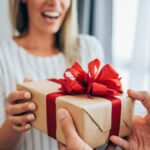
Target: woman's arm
[[19, 117], [9, 138]]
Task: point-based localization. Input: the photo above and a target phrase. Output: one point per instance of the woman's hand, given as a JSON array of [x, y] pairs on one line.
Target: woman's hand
[[20, 111], [140, 136], [73, 141]]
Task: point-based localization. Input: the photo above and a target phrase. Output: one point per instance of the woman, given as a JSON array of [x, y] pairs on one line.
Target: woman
[[47, 41]]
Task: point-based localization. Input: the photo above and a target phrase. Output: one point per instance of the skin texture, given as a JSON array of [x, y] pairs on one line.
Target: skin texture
[[41, 36], [138, 140], [37, 21], [39, 41]]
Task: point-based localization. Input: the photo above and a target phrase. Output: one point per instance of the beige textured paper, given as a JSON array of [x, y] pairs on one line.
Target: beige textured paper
[[92, 117]]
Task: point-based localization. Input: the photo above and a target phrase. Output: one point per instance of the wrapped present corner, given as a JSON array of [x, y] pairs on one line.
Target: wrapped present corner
[[94, 100]]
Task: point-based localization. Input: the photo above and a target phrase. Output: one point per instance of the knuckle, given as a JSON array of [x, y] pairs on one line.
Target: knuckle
[[17, 94], [6, 108], [19, 109], [123, 145], [25, 107], [9, 109], [145, 93], [12, 110], [12, 96], [9, 97], [10, 118], [24, 119]]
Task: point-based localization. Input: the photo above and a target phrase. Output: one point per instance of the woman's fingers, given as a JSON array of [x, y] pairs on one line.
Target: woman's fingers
[[142, 96], [20, 108], [18, 95], [22, 128], [21, 120], [120, 142]]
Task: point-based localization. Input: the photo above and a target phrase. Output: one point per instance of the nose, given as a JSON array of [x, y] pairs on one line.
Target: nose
[[52, 2]]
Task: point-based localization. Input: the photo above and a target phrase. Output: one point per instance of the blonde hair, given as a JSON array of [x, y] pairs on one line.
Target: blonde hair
[[67, 37]]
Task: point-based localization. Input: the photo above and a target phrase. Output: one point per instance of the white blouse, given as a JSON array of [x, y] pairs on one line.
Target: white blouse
[[16, 64]]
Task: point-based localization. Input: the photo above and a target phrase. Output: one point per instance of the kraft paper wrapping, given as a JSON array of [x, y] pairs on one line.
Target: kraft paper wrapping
[[92, 117]]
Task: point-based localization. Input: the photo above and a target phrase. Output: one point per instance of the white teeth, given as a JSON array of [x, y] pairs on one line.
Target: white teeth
[[52, 14]]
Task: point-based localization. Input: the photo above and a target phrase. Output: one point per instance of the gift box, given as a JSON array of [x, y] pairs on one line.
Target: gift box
[[93, 99]]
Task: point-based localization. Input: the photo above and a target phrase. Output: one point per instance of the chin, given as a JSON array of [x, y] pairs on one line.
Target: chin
[[51, 30]]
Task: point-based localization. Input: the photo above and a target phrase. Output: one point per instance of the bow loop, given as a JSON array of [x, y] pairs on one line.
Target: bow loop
[[104, 82]]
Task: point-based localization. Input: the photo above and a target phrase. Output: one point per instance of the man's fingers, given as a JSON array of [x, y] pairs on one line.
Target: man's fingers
[[73, 141], [120, 142], [67, 126], [147, 119], [61, 146], [142, 96]]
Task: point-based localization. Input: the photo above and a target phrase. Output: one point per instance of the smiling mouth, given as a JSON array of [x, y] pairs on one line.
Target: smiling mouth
[[51, 15]]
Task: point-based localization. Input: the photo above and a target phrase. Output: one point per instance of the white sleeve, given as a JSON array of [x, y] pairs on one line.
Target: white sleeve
[[2, 97]]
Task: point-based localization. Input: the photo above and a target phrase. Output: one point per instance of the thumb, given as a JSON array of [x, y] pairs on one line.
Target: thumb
[[120, 142], [67, 126], [73, 140], [61, 146], [142, 96]]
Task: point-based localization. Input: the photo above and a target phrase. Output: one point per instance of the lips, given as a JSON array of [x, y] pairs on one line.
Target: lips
[[51, 14]]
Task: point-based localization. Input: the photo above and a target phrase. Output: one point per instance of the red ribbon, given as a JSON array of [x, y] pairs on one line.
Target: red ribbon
[[51, 112], [105, 83]]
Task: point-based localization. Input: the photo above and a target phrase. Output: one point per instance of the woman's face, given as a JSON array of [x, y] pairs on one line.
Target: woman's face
[[47, 16]]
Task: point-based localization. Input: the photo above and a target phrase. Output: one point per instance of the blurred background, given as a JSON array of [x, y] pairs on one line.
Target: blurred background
[[122, 27]]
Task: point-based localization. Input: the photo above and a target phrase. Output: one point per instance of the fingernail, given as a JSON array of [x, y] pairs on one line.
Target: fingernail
[[30, 117], [27, 95], [31, 106], [61, 114], [27, 126]]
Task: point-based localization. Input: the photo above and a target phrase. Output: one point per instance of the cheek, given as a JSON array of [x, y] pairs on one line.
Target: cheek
[[34, 5], [66, 5]]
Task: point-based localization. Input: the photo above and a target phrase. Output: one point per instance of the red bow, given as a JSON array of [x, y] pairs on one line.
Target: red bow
[[96, 82]]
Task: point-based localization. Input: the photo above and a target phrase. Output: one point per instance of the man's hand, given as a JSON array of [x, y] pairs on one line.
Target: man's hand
[[140, 136], [138, 140], [73, 141]]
